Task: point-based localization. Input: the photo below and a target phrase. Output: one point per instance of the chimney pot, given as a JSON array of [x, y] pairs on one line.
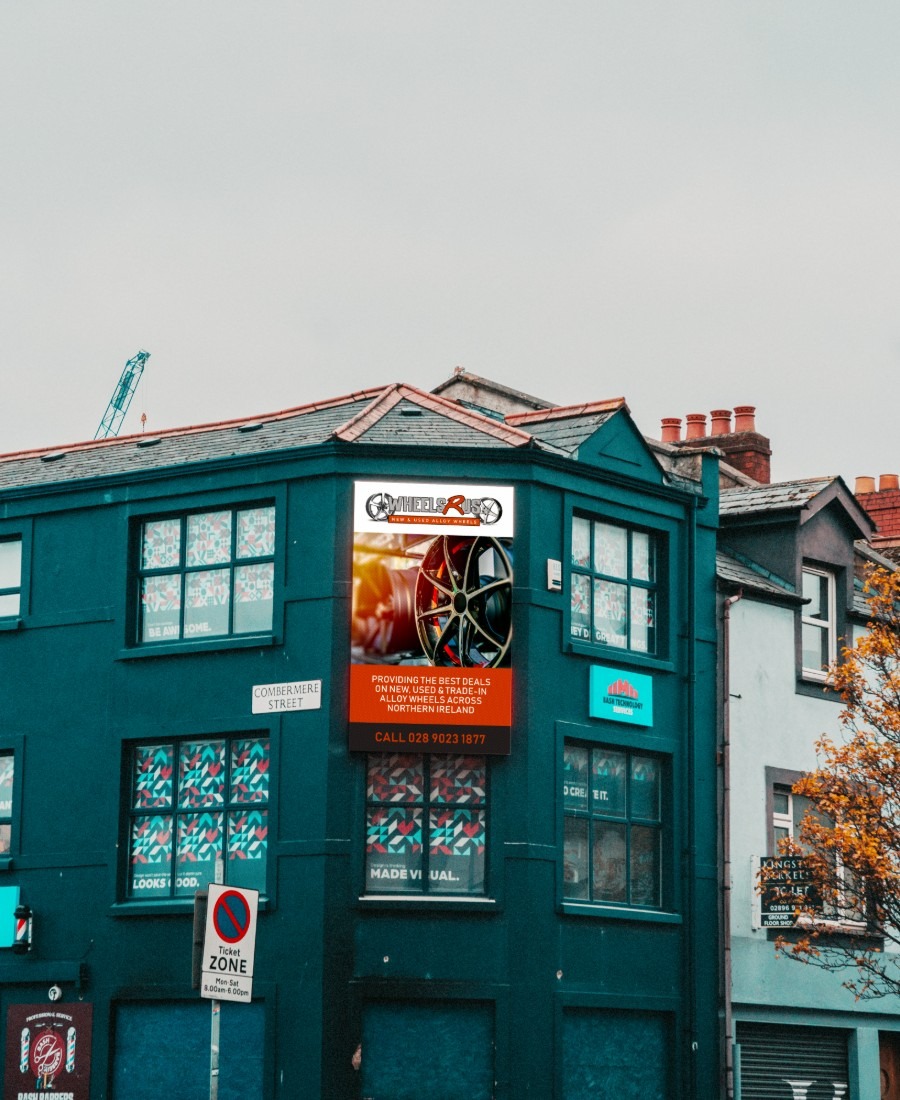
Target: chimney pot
[[888, 481], [696, 426], [671, 429], [864, 485], [720, 422], [745, 418]]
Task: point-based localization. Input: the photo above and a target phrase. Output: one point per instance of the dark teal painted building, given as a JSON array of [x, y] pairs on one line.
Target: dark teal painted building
[[435, 674]]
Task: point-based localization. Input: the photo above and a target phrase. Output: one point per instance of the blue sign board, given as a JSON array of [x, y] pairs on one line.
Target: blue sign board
[[9, 899], [620, 696]]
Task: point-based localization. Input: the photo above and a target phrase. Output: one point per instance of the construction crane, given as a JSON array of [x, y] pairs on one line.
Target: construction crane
[[122, 395]]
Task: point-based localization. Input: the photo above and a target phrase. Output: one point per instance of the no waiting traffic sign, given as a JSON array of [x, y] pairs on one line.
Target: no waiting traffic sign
[[231, 916], [229, 944]]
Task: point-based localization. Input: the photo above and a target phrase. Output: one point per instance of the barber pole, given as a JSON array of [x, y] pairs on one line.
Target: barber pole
[[70, 1050], [22, 937]]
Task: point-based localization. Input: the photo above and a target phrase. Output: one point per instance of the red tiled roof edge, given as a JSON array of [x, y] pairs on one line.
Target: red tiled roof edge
[[284, 414], [563, 412]]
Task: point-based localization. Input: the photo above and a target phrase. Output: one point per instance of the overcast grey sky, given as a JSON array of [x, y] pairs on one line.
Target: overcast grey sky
[[693, 205]]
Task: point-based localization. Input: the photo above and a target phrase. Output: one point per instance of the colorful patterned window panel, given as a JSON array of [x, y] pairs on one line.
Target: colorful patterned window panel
[[10, 577], [192, 802], [613, 585], [613, 826], [7, 773], [426, 823], [207, 575]]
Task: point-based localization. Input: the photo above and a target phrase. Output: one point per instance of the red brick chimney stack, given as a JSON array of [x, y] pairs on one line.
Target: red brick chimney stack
[[742, 444], [883, 506]]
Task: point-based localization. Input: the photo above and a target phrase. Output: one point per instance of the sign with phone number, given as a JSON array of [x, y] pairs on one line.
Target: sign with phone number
[[378, 738]]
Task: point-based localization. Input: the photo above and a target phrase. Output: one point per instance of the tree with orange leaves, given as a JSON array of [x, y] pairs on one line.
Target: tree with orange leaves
[[848, 914]]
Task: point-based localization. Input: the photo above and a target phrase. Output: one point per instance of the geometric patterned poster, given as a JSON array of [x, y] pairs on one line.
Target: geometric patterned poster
[[48, 1052], [425, 818]]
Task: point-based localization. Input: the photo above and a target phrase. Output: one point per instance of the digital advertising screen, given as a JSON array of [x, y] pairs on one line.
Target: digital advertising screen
[[431, 633]]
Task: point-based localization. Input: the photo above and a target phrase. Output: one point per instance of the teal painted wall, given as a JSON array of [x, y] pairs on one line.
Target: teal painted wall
[[72, 693]]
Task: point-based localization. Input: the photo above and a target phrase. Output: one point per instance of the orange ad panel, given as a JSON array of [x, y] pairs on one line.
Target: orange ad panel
[[392, 694]]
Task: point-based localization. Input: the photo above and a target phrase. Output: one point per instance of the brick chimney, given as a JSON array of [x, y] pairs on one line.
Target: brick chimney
[[883, 506], [744, 447]]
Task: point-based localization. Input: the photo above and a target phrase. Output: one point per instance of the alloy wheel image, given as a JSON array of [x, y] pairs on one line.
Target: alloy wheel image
[[464, 602]]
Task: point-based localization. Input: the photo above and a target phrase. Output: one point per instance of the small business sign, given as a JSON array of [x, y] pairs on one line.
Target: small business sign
[[229, 944], [786, 885], [297, 695], [621, 696], [9, 900], [48, 1052]]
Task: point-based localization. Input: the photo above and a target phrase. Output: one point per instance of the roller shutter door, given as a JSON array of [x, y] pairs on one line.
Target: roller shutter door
[[792, 1063]]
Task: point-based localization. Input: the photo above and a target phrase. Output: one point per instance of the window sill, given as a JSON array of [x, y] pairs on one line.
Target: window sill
[[165, 907], [206, 645], [827, 931], [835, 927], [6, 863], [14, 622], [816, 688], [617, 912], [617, 656], [425, 901]]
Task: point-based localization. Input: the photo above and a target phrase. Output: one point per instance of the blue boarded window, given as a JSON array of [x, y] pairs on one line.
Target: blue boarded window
[[147, 1064], [458, 1037], [616, 1054]]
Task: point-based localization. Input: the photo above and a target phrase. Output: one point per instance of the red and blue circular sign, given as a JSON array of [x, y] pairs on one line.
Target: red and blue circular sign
[[231, 917]]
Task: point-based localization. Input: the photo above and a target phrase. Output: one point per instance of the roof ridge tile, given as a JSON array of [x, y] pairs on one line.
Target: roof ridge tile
[[565, 412], [366, 418]]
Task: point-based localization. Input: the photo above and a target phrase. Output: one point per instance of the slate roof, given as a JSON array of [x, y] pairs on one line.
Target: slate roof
[[178, 446], [778, 497], [738, 570], [397, 414], [401, 414], [387, 414], [566, 427]]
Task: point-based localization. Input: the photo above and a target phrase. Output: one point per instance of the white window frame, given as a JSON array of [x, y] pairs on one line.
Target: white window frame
[[16, 589], [782, 820], [786, 821], [828, 624]]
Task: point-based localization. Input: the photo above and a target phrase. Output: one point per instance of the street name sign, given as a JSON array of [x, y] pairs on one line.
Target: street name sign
[[296, 695]]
